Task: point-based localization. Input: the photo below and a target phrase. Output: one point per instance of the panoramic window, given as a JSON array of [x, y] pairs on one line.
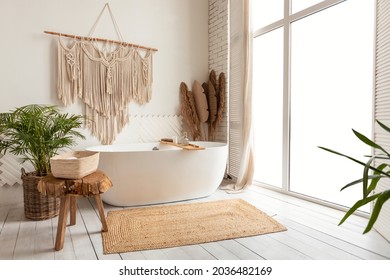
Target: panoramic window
[[313, 76], [268, 50]]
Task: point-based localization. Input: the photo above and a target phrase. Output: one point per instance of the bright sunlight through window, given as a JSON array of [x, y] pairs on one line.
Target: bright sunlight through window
[[330, 92]]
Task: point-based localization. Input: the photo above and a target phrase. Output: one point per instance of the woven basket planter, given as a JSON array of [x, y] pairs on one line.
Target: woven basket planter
[[37, 206]]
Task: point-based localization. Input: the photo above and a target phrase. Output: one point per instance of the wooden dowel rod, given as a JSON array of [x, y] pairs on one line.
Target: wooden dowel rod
[[99, 39]]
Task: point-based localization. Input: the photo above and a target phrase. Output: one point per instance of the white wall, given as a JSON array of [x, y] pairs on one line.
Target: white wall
[[177, 28]]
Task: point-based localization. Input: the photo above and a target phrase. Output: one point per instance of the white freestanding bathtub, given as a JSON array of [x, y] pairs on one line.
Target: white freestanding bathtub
[[142, 176]]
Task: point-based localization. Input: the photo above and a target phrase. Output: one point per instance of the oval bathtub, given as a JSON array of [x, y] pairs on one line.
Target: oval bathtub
[[141, 175]]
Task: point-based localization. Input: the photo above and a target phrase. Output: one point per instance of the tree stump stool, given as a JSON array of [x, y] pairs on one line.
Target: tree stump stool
[[68, 190]]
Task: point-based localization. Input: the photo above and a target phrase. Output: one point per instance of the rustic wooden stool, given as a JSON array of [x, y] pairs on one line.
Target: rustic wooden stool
[[68, 190]]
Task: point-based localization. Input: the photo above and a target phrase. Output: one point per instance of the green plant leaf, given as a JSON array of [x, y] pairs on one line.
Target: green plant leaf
[[369, 142], [365, 176], [357, 205], [375, 181], [340, 154], [383, 126], [378, 176], [380, 156], [355, 160], [383, 197], [35, 133], [379, 173]]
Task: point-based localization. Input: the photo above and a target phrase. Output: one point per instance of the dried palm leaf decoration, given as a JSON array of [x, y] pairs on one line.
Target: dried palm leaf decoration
[[188, 111], [216, 98], [221, 99], [213, 79], [200, 102], [205, 87], [213, 107], [215, 91]]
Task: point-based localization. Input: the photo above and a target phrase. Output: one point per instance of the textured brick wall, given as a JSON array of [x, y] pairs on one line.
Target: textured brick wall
[[219, 52]]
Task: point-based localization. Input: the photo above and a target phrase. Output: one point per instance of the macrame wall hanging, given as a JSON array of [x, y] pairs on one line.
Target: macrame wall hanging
[[105, 79]]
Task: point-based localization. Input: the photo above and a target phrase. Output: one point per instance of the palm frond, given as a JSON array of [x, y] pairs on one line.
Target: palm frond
[[36, 132], [378, 172]]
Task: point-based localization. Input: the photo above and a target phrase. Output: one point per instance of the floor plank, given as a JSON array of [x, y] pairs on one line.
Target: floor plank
[[310, 246], [133, 256], [312, 233], [197, 252], [24, 248], [80, 239], [10, 232], [44, 240], [219, 251], [176, 253], [322, 223], [154, 255], [94, 227], [271, 249], [68, 252], [238, 249], [345, 249], [4, 211]]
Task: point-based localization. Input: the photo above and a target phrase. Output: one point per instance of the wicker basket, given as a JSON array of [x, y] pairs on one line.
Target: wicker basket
[[36, 205], [74, 165]]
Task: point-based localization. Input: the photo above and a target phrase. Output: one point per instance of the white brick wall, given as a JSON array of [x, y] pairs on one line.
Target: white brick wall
[[219, 53]]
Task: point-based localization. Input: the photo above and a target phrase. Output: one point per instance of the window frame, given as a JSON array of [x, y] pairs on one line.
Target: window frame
[[286, 23]]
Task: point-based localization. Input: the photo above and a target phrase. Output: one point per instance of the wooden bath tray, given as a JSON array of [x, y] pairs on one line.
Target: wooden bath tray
[[184, 147]]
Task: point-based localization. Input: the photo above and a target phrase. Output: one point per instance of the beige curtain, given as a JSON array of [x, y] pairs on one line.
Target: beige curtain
[[246, 170]]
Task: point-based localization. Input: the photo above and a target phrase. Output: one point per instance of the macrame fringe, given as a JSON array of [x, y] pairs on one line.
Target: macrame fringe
[[142, 77], [68, 82], [106, 82], [106, 128]]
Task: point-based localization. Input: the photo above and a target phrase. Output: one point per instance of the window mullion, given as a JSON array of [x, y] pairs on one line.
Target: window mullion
[[314, 9], [286, 96]]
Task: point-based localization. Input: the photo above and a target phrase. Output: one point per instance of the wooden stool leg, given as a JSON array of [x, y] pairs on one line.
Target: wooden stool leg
[[99, 203], [62, 223], [73, 208]]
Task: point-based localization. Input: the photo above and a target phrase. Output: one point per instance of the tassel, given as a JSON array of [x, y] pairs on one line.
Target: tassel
[[109, 81]]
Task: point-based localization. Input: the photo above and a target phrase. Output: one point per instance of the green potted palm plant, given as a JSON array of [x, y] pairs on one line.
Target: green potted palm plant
[[372, 174], [35, 133]]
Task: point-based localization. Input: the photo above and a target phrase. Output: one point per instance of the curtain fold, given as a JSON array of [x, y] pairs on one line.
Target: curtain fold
[[246, 171]]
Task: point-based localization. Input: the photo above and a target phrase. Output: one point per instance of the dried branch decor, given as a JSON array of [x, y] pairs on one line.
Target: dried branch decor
[[188, 110], [216, 99], [221, 99], [205, 104]]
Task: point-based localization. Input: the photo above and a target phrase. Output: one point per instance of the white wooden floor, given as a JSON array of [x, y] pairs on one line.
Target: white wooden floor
[[312, 234]]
